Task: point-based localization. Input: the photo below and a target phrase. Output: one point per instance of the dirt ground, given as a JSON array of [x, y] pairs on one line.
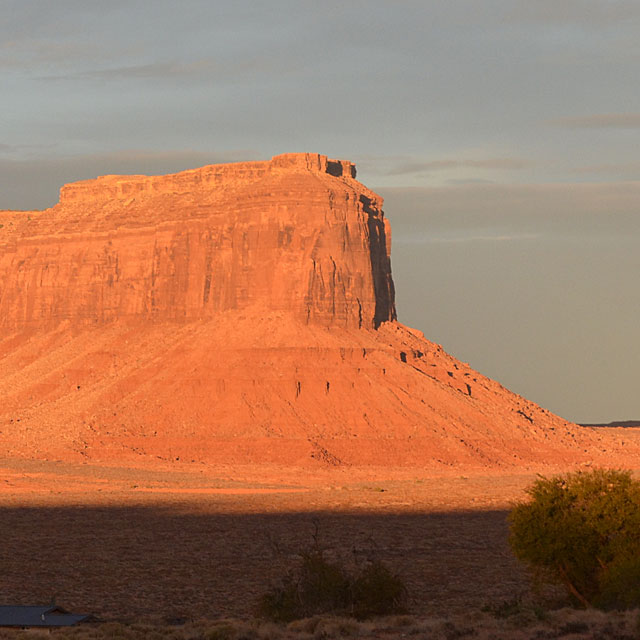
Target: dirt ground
[[131, 544]]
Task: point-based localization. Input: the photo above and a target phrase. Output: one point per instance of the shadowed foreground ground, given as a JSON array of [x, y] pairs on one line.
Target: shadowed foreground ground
[[193, 559], [199, 545]]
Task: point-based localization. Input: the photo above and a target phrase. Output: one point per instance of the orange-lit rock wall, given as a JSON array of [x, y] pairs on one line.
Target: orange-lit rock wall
[[296, 234]]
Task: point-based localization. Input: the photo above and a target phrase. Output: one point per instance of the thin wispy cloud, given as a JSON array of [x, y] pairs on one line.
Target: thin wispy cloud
[[186, 158], [33, 54], [509, 164], [417, 239], [204, 69], [28, 148], [406, 165], [466, 181], [517, 201], [156, 70], [599, 121], [628, 168], [589, 13], [43, 177]]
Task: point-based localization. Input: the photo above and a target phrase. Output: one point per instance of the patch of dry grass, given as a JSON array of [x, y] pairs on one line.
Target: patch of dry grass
[[568, 624]]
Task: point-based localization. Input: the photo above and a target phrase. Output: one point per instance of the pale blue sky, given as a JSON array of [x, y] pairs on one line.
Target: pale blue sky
[[504, 135]]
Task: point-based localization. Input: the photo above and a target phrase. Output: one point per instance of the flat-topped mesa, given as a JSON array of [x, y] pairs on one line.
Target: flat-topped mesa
[[110, 187], [297, 234]]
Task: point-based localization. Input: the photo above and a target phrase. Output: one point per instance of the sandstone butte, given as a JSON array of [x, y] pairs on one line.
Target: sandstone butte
[[243, 314]]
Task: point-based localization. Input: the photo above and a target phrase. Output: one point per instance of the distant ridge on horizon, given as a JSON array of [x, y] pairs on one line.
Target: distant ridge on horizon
[[615, 423]]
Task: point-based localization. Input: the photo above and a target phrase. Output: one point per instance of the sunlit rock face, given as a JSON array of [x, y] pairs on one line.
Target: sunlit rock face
[[296, 234], [242, 314]]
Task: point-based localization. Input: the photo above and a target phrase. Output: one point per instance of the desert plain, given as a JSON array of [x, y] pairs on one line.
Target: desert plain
[[171, 543], [186, 553]]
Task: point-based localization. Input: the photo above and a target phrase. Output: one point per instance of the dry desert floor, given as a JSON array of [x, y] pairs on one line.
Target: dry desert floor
[[176, 544]]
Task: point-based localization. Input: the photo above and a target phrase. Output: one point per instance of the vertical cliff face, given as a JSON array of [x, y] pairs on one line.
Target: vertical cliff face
[[296, 234], [185, 317]]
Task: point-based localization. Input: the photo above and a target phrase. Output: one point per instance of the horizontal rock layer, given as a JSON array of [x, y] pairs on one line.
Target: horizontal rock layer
[[296, 234]]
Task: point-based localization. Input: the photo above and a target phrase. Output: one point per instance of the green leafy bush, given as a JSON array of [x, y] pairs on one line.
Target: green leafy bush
[[319, 587], [621, 584], [582, 530]]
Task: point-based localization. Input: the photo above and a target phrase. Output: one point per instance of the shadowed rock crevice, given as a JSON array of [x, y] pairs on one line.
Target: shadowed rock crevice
[[385, 309], [340, 168]]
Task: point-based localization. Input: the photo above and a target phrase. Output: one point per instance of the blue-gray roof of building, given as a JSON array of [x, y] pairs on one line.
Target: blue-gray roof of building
[[38, 616]]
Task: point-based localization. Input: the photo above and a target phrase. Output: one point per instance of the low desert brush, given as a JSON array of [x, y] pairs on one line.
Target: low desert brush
[[319, 586]]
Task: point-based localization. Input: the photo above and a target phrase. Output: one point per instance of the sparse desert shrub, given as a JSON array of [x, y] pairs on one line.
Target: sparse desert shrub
[[319, 586], [582, 530], [232, 630], [222, 631], [115, 630], [504, 609], [336, 628], [304, 625], [269, 631], [377, 591]]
